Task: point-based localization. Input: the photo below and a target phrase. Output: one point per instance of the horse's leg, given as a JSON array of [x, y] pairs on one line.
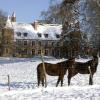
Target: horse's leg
[[69, 79], [42, 81], [38, 78], [69, 76], [62, 80], [38, 81], [91, 80], [58, 81], [91, 76]]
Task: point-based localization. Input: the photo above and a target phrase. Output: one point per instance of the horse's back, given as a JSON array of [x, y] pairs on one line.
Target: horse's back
[[52, 69], [83, 68]]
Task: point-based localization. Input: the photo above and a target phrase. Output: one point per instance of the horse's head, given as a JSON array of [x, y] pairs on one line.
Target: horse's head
[[95, 61], [71, 61]]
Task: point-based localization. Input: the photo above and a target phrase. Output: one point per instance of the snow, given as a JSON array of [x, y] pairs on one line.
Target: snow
[[51, 29], [23, 82]]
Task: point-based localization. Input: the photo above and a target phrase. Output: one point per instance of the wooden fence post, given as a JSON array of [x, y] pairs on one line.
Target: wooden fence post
[[43, 68], [8, 82]]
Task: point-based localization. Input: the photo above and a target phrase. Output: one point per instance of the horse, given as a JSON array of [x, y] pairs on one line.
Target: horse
[[59, 69], [88, 67]]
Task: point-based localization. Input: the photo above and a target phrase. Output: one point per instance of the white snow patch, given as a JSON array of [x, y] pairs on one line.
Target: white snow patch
[[23, 84]]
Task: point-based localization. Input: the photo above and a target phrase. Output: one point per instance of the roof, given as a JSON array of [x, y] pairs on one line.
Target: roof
[[51, 29]]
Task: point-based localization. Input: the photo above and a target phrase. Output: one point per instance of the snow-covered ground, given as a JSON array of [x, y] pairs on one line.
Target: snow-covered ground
[[23, 82]]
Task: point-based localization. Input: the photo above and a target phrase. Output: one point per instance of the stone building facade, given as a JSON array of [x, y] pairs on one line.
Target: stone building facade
[[28, 39]]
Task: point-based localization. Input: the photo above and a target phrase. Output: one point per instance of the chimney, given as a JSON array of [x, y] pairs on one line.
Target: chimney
[[36, 23]]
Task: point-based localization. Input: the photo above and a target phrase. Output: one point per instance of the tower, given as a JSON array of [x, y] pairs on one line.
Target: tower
[[8, 39], [13, 17]]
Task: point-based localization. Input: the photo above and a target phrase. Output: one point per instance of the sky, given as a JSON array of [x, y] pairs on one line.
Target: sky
[[25, 10]]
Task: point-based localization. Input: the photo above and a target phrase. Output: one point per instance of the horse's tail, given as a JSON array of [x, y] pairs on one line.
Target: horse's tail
[[96, 61], [90, 71]]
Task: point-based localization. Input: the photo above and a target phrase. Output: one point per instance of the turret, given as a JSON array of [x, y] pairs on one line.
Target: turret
[[13, 17], [8, 22]]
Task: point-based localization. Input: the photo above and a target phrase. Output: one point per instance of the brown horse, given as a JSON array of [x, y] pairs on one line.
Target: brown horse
[[58, 69], [88, 67]]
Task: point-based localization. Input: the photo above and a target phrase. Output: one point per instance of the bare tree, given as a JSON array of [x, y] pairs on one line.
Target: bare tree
[[90, 23], [2, 20], [53, 13]]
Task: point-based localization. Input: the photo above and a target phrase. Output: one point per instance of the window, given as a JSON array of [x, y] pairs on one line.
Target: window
[[39, 35], [33, 51], [49, 43], [39, 43], [25, 34], [46, 35], [25, 42], [19, 42], [18, 50], [46, 52], [39, 52], [25, 51], [6, 50], [53, 43], [57, 36], [18, 33], [58, 44], [33, 43], [46, 43]]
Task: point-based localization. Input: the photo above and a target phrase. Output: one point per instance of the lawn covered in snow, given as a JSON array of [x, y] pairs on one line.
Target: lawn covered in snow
[[23, 82]]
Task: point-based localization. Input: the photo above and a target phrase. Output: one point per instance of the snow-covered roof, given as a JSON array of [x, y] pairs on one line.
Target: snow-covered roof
[[51, 30]]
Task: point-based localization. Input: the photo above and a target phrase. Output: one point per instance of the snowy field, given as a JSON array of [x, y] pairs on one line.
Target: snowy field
[[23, 82]]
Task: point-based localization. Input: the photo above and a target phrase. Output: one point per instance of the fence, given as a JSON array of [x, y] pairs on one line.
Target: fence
[[10, 82]]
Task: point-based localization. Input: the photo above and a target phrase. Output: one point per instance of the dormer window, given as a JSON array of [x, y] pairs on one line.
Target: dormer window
[[57, 36], [25, 34], [18, 33], [39, 35], [46, 35]]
